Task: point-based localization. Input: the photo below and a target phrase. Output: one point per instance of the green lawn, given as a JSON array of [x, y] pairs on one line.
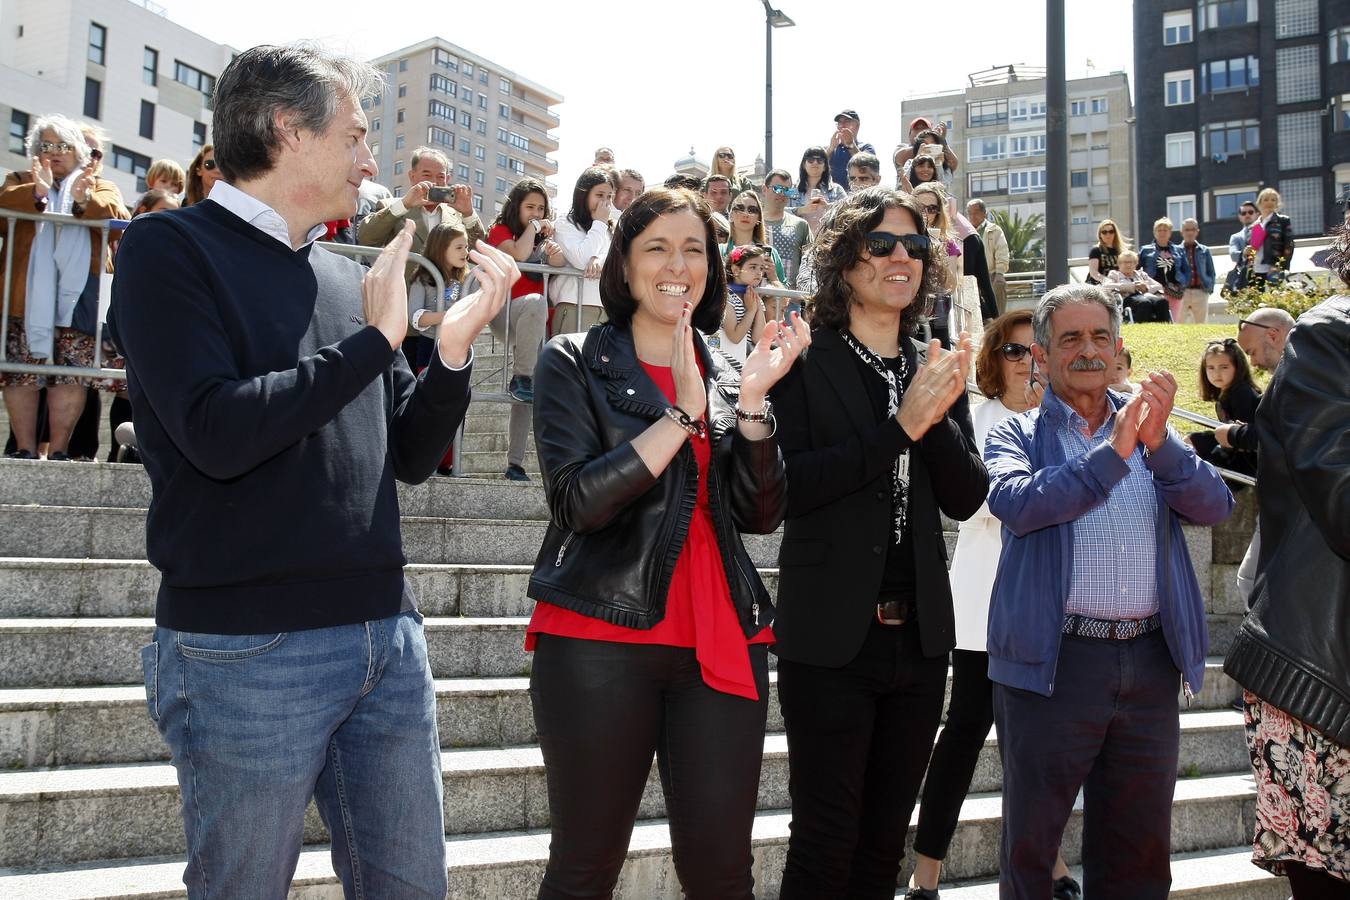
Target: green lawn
[[1177, 349]]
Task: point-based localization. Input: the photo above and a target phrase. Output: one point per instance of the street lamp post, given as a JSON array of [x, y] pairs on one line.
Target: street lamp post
[[773, 18]]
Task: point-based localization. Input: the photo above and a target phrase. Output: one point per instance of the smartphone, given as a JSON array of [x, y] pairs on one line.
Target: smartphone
[[440, 194]]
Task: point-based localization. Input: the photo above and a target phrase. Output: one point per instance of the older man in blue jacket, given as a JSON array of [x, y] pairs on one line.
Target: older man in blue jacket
[[1096, 618]]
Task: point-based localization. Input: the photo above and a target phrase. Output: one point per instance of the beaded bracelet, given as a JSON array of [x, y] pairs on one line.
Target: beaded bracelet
[[695, 427]]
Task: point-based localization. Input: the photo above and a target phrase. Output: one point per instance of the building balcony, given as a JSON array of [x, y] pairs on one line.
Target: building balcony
[[534, 134], [539, 111]]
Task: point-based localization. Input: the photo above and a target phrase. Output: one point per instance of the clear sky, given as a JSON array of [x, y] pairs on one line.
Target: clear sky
[[653, 79]]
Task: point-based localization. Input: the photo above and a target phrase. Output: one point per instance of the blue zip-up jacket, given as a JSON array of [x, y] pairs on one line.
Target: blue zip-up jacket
[[1038, 494], [1204, 264]]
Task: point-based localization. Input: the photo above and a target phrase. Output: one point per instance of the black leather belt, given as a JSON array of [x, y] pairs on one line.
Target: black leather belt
[[896, 612], [1110, 629]]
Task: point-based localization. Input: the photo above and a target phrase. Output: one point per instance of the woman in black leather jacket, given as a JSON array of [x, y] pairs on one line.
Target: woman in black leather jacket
[[652, 625], [1292, 653]]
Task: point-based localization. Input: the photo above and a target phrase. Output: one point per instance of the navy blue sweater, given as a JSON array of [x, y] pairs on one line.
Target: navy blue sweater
[[273, 422]]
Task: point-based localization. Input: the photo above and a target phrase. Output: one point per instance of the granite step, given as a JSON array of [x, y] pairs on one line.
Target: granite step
[[491, 463], [113, 486], [91, 725], [1208, 814], [106, 533], [53, 816]]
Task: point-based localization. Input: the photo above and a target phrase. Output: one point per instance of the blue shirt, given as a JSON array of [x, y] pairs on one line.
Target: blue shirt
[[839, 162], [1115, 543]]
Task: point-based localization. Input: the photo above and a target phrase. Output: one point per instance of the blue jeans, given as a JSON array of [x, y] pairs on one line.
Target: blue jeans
[[260, 723]]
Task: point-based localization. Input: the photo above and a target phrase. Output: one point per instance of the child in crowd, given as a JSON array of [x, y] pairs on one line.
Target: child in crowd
[[1226, 380], [155, 200], [1124, 369], [166, 175], [743, 317], [447, 248], [1140, 294]]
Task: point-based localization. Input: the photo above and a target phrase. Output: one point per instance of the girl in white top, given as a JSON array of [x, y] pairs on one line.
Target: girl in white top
[[584, 234], [743, 316]]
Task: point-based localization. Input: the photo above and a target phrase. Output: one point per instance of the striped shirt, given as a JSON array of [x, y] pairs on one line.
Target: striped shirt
[[1114, 572]]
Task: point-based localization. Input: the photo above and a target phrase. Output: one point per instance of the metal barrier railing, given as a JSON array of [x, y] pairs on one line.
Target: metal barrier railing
[[1187, 415]]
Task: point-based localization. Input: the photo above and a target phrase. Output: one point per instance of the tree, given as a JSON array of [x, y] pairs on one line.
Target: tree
[[1026, 244]]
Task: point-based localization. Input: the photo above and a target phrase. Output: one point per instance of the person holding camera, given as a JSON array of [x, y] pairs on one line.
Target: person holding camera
[[430, 201], [844, 144]]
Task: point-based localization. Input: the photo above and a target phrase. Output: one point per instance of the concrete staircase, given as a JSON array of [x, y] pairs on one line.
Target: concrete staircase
[[89, 806]]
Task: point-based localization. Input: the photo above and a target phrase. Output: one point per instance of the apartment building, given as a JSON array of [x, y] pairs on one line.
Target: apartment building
[[492, 123], [118, 64], [1242, 95], [996, 124]]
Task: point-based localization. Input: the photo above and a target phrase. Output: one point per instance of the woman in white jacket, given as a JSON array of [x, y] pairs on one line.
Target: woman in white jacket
[[584, 234], [1003, 373]]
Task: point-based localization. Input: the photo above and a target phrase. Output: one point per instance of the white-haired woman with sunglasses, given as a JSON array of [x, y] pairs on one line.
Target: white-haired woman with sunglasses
[[1003, 373]]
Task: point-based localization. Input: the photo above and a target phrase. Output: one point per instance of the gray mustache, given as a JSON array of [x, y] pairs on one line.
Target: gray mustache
[[1087, 365]]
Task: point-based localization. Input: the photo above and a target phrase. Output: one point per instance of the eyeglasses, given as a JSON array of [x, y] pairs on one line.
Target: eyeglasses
[[1242, 322], [931, 209], [1014, 352], [882, 243], [1107, 231], [59, 147], [725, 154], [818, 159], [779, 189], [209, 165], [742, 208], [1243, 213]]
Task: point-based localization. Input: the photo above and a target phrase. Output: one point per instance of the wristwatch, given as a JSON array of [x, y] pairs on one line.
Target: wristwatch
[[764, 415]]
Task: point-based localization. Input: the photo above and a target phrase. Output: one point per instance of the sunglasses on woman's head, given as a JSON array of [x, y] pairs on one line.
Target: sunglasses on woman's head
[[1014, 352], [742, 208], [882, 243]]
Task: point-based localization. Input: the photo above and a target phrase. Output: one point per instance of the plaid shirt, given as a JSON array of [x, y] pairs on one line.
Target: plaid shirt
[[1115, 544]]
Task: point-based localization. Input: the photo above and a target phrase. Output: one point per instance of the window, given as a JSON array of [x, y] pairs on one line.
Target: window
[[466, 118], [375, 124], [477, 203], [1026, 145], [150, 67], [18, 131], [1079, 219], [501, 160], [1295, 18], [442, 85], [1097, 105], [500, 185], [93, 98], [518, 140], [1235, 74], [988, 183], [1225, 13], [1026, 109], [439, 137], [1179, 87], [1180, 149], [504, 86], [987, 148], [399, 142], [516, 166], [1078, 178], [1339, 45], [1024, 181], [439, 109], [398, 191], [444, 60], [480, 152], [501, 134], [1177, 27], [398, 167], [503, 110], [403, 65], [463, 172], [198, 135], [375, 149], [1341, 113], [399, 118], [466, 92], [482, 101], [1302, 202], [463, 145], [1227, 200], [980, 113], [1296, 74], [98, 44], [1180, 208], [137, 164], [193, 78], [466, 68], [483, 76], [1300, 139], [1225, 139], [147, 130], [478, 177], [375, 101], [482, 126], [403, 90]]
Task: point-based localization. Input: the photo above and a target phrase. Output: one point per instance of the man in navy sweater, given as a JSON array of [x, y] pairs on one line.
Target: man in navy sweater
[[274, 413]]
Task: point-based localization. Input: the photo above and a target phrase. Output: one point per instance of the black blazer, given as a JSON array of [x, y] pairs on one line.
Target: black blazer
[[839, 463]]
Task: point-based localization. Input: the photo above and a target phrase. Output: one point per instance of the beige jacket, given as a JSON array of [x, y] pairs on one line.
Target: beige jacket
[[995, 247]]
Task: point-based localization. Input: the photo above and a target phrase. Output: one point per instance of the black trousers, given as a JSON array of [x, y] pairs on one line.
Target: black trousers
[[1111, 728], [1148, 308], [970, 715], [602, 709], [859, 738]]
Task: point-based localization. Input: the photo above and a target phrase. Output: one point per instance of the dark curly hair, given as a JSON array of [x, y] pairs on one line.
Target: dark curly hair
[[839, 247], [615, 296]]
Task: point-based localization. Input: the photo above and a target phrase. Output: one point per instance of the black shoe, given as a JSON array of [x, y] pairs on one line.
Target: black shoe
[[918, 893], [516, 473], [521, 388], [445, 470], [59, 456], [21, 454], [1067, 889]]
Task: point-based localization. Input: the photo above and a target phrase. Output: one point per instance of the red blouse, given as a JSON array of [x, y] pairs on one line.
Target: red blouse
[[528, 283], [699, 611]]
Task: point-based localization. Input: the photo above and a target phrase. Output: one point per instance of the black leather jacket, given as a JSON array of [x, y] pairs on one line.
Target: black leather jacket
[[1293, 649], [616, 531]]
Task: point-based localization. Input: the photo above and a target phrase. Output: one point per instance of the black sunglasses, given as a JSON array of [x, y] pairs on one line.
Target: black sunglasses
[[209, 165], [726, 154], [820, 159], [882, 243], [1014, 352], [741, 207]]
